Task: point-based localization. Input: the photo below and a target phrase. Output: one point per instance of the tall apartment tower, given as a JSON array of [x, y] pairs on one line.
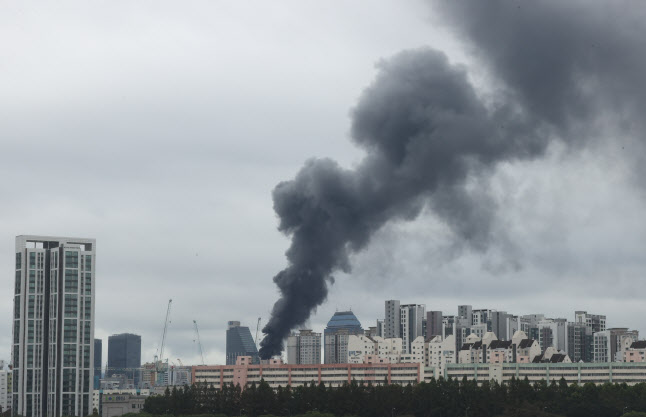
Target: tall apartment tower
[[124, 356], [392, 320], [595, 322], [336, 335], [53, 326], [434, 326], [412, 324], [304, 348], [240, 343]]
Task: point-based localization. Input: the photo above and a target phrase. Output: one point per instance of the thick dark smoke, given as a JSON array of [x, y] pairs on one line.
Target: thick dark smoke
[[426, 132]]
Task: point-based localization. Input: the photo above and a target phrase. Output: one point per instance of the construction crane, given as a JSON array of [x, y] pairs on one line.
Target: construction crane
[[199, 343], [163, 340], [255, 341], [180, 362]]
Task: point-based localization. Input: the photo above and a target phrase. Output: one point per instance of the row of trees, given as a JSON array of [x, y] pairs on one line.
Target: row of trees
[[442, 398]]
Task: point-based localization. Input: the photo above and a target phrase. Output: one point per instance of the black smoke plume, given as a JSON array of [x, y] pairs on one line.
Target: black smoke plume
[[426, 132]]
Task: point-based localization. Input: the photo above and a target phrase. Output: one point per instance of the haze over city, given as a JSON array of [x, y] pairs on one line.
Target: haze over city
[[162, 132]]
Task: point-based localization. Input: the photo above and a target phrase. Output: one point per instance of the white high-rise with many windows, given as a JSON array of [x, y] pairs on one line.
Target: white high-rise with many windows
[[53, 327]]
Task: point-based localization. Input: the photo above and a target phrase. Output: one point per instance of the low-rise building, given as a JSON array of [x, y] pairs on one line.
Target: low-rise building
[[374, 370], [579, 373], [636, 352], [114, 405], [97, 396]]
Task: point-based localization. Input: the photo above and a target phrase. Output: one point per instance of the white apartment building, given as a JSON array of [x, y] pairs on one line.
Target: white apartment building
[[5, 385], [432, 353], [304, 348], [53, 326], [609, 345], [440, 352]]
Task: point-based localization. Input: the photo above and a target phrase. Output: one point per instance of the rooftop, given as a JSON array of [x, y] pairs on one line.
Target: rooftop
[[344, 320]]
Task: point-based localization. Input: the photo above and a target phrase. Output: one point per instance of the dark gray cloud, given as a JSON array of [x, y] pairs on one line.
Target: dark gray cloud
[[426, 133], [561, 74]]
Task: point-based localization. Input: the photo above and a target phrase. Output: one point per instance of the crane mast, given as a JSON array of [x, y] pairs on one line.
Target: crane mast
[[199, 343], [163, 341]]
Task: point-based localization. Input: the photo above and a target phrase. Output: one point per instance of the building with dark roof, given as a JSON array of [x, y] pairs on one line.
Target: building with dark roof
[[240, 343], [124, 356], [336, 334]]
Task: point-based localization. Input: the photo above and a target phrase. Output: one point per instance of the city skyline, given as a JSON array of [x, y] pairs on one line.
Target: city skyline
[[172, 135]]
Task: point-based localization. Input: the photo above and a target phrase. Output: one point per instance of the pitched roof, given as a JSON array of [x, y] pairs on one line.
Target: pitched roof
[[557, 358], [525, 343], [538, 358], [500, 344], [640, 344]]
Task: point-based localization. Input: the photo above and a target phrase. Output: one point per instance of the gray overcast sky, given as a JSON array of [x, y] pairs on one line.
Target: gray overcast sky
[[160, 129]]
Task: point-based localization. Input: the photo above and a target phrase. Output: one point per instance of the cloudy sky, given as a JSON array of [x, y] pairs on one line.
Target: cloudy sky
[[161, 129]]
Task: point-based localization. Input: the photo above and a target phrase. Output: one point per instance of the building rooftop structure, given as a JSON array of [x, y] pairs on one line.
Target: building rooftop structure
[[343, 320]]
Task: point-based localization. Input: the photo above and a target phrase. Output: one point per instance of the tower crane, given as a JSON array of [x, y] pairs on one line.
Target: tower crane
[[199, 343], [255, 341], [163, 340]]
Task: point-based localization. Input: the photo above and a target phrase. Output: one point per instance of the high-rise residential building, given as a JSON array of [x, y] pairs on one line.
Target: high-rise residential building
[[53, 327], [240, 343], [609, 345], [466, 312], [580, 342], [404, 321], [596, 322], [434, 326], [499, 324], [412, 323], [5, 386], [392, 320], [124, 356], [98, 356], [379, 328], [339, 328], [553, 333], [304, 348]]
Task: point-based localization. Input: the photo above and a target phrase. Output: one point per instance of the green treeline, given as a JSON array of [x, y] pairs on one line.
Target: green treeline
[[442, 398]]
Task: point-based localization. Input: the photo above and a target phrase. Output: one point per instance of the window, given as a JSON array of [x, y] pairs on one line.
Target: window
[[16, 307], [71, 280], [69, 331], [18, 260], [32, 260], [88, 262], [71, 305], [17, 282], [30, 306], [69, 384], [32, 282], [69, 355], [71, 259], [88, 309]]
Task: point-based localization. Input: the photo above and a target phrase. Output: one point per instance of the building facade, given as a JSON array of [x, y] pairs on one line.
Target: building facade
[[98, 356], [240, 343], [304, 348], [434, 326], [336, 334], [5, 388], [276, 374], [392, 320], [53, 327], [124, 356]]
